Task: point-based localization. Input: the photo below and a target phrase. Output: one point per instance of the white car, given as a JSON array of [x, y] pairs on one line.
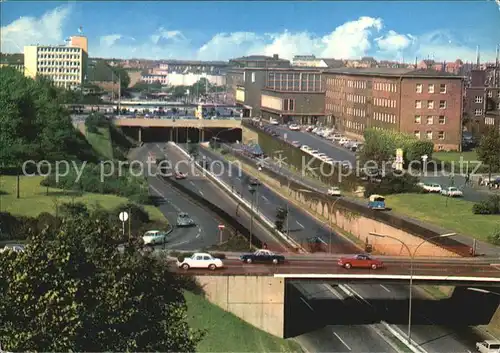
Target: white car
[[152, 237], [452, 192], [488, 346], [313, 152], [200, 260], [321, 155], [294, 127], [343, 141], [336, 137], [305, 148], [334, 191], [273, 121], [432, 187]]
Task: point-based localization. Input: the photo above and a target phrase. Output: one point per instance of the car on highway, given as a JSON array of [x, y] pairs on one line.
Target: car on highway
[[12, 247], [334, 191], [262, 256], [254, 181], [183, 220], [452, 192], [488, 346], [200, 260], [152, 237], [360, 261], [294, 127], [180, 176]]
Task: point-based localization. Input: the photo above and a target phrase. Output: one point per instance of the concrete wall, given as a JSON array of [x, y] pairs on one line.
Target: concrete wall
[[258, 300], [194, 123]]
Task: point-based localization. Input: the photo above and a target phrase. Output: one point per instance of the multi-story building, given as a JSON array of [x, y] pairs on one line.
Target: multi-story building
[[424, 103], [65, 65], [312, 61], [18, 67]]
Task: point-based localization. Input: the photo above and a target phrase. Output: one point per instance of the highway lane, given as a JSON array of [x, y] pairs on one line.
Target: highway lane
[[212, 193], [174, 202], [341, 154], [302, 224]]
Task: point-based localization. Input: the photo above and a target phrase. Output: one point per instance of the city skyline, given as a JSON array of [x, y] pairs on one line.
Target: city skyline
[[384, 30]]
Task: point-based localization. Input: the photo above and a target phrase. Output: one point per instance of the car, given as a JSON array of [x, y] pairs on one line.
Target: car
[[12, 247], [200, 260], [152, 237], [294, 127], [343, 141], [179, 175], [321, 155], [488, 346], [313, 152], [452, 192], [183, 220], [262, 256], [296, 143], [305, 148], [273, 121], [254, 181], [334, 191], [432, 187], [310, 128], [360, 261], [336, 137]]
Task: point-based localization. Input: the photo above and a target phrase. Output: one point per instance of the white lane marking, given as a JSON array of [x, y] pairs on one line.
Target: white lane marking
[[387, 289], [344, 289], [180, 243], [264, 198], [341, 340], [201, 193], [332, 290], [300, 225], [199, 233], [192, 183], [306, 303]]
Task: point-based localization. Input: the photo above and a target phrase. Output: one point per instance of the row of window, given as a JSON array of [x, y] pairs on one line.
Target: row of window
[[490, 94], [430, 88], [288, 104], [431, 119], [55, 63], [384, 86], [356, 98], [356, 84], [384, 102], [385, 117], [335, 108], [354, 125], [428, 135], [430, 104], [58, 49], [356, 112], [71, 78], [293, 81], [489, 121], [59, 56], [58, 70]]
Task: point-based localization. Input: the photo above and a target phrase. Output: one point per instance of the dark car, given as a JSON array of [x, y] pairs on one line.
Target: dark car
[[263, 256], [254, 181]]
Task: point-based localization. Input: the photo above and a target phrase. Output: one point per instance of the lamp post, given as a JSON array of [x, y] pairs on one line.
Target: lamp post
[[412, 258], [252, 191]]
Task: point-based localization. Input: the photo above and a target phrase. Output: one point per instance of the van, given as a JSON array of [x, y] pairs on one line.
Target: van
[[488, 346]]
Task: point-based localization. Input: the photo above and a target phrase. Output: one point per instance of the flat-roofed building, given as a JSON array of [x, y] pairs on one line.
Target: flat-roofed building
[[424, 103]]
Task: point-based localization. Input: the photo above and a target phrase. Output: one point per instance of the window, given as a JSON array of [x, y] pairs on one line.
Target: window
[[430, 120], [478, 112], [430, 104], [429, 135], [490, 94], [441, 135], [442, 104], [417, 134], [419, 88], [442, 88], [244, 76], [418, 119], [431, 89], [418, 104], [442, 120], [498, 94], [498, 106], [478, 99], [253, 77]]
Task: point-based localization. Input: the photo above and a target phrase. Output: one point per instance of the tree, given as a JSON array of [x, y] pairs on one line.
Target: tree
[[179, 92], [488, 150], [281, 215], [200, 87], [73, 290]]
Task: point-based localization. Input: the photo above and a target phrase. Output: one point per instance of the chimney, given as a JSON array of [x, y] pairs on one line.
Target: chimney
[[275, 56]]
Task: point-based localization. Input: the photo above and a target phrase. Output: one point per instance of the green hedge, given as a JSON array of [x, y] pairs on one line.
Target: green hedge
[[490, 206]]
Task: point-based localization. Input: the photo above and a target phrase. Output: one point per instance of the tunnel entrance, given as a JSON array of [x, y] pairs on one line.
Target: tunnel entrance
[[181, 134], [306, 311]]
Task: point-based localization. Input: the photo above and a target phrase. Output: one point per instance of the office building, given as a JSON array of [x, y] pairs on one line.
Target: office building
[[65, 65]]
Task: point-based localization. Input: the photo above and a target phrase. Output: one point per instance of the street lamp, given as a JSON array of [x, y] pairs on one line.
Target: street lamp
[[412, 258], [252, 192]]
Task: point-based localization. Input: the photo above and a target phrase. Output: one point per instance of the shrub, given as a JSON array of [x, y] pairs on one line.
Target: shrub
[[494, 238], [137, 213], [72, 209], [488, 206], [46, 220], [393, 184]]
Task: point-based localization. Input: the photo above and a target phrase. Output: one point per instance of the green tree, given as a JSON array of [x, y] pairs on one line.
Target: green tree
[[281, 215], [73, 290], [201, 86], [179, 92], [488, 150], [122, 74]]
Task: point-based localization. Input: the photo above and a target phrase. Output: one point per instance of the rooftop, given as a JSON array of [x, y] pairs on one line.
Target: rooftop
[[259, 58], [387, 71], [195, 62]]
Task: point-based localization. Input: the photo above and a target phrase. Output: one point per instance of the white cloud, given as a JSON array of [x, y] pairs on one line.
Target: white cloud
[[47, 29], [365, 36]]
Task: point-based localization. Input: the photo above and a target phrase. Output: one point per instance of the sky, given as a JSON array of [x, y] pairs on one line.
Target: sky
[[210, 30]]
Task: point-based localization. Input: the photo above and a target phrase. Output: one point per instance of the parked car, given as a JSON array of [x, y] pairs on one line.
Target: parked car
[[262, 256], [343, 141], [305, 148], [179, 175], [488, 346], [360, 261], [12, 247], [254, 181], [432, 187], [294, 127], [183, 220], [336, 137], [200, 260], [273, 121], [310, 128], [152, 237], [452, 192], [296, 143], [376, 202], [334, 191]]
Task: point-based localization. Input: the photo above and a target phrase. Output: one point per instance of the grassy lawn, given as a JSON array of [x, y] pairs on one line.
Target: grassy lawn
[[455, 156], [101, 142], [228, 333], [456, 216], [34, 200]]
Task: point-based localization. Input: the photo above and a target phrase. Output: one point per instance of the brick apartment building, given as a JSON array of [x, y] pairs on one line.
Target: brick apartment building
[[424, 103]]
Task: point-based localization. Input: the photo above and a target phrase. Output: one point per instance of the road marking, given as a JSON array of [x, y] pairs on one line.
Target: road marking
[[199, 233], [201, 193], [180, 243], [344, 289], [332, 290], [387, 289], [192, 183], [306, 303], [264, 198], [341, 340], [300, 225]]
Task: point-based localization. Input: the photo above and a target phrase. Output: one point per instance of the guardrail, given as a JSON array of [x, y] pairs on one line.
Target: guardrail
[[264, 220]]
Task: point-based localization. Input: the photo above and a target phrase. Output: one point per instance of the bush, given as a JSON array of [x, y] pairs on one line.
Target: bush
[[393, 184], [72, 209], [46, 220], [489, 206], [137, 213], [16, 228], [94, 121], [494, 238]]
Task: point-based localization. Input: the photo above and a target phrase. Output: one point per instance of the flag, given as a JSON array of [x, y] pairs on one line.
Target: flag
[[80, 29]]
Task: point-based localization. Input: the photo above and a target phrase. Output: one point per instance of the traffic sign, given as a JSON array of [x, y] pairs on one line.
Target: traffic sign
[[221, 226], [123, 216]]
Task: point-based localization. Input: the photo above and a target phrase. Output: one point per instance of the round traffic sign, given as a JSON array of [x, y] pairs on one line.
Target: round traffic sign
[[123, 216]]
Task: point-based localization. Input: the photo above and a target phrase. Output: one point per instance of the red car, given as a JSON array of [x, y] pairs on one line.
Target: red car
[[360, 261], [179, 175]]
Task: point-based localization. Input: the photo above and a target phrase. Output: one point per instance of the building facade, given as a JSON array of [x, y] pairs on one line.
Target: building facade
[[65, 65], [424, 103]]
